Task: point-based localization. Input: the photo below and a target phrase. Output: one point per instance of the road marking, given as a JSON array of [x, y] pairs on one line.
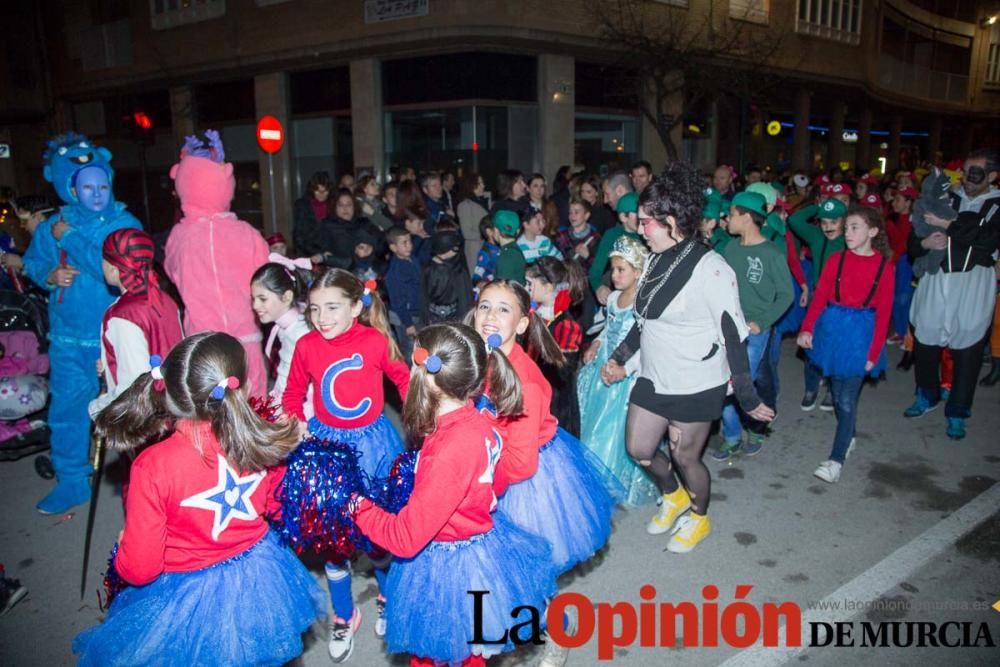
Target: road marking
[[880, 578]]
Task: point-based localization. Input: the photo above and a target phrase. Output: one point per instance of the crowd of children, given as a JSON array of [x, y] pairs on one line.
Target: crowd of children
[[519, 427]]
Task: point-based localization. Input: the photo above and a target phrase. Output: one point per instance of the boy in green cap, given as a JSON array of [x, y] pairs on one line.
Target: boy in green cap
[[628, 216], [826, 238], [510, 261], [823, 240], [765, 288], [713, 221]]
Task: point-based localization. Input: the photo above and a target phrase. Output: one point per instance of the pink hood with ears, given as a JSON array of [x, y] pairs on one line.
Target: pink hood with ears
[[205, 187]]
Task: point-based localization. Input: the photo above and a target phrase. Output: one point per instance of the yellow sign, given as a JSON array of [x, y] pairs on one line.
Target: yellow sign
[[774, 128]]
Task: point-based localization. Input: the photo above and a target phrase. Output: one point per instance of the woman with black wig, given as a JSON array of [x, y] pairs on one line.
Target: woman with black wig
[[692, 336]]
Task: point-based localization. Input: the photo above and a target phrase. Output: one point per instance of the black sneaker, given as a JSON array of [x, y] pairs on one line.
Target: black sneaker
[[809, 401], [11, 592], [827, 404]]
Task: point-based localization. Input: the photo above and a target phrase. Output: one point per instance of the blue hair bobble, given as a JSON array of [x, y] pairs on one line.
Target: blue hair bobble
[[493, 341], [433, 364]]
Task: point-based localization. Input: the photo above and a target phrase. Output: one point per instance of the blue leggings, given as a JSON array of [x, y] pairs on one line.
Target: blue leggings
[[74, 384]]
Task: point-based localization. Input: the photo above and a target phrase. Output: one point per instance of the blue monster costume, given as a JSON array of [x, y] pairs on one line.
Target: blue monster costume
[[75, 311]]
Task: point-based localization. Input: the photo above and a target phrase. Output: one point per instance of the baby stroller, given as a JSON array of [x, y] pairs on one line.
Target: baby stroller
[[24, 386]]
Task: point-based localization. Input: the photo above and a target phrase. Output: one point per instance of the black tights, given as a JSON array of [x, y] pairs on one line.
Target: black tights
[[643, 433]]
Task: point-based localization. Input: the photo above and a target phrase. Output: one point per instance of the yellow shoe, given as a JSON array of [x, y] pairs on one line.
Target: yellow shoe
[[672, 505], [691, 529]]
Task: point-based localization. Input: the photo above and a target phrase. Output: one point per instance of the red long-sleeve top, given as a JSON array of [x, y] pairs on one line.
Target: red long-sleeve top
[[855, 285], [794, 263], [188, 507], [452, 488], [524, 434], [361, 356], [898, 229]]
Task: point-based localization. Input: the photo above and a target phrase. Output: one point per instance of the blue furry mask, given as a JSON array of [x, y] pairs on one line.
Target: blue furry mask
[[66, 155]]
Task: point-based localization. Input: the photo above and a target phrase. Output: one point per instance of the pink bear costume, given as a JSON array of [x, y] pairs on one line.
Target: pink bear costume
[[211, 254]]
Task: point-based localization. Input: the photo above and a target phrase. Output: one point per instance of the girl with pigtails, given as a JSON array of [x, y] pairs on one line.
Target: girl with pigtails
[[195, 544], [344, 360], [447, 539]]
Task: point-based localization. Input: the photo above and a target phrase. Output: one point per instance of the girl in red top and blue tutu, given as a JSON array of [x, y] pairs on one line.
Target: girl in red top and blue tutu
[[447, 539], [344, 360], [196, 546], [845, 327]]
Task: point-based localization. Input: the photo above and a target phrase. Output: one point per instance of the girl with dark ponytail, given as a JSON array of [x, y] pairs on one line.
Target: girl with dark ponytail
[[195, 529], [557, 289], [447, 536]]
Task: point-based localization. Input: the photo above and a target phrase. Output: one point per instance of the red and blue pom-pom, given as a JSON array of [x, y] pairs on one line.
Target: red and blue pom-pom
[[320, 479], [393, 492], [113, 582]]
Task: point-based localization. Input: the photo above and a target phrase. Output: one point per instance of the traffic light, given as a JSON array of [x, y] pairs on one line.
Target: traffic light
[[141, 125]]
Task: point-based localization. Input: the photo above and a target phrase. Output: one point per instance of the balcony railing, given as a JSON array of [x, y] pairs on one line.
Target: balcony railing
[[918, 81]]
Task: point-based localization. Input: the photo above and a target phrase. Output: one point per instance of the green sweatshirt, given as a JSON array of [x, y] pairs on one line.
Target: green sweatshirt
[[764, 281], [719, 239], [510, 263], [603, 250], [774, 230], [819, 245]]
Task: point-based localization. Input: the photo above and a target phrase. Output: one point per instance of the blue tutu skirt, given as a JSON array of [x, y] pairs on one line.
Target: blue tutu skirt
[[568, 502], [377, 444], [841, 340], [429, 610], [248, 610]]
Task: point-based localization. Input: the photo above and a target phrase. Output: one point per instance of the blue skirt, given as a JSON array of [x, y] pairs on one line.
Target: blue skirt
[[378, 444], [568, 502], [841, 340], [250, 609], [430, 611]]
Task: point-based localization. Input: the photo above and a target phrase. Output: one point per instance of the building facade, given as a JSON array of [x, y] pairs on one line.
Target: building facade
[[365, 85]]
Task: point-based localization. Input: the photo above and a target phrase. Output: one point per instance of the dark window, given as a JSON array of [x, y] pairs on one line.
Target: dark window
[[226, 102], [459, 76], [320, 90], [606, 86]]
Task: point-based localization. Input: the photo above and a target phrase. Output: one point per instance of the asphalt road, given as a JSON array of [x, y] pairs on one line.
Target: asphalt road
[[911, 533]]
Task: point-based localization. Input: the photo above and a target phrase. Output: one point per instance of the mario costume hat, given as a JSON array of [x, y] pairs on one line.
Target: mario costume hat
[[507, 222], [908, 192], [750, 201], [872, 200], [628, 203], [837, 189], [831, 209]]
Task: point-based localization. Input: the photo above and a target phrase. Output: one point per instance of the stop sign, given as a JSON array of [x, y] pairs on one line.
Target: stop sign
[[270, 134]]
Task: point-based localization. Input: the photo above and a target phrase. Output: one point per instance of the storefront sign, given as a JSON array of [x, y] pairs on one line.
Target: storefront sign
[[379, 11]]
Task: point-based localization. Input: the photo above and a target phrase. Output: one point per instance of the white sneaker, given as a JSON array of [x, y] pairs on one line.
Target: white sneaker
[[380, 623], [555, 655], [342, 633], [828, 471]]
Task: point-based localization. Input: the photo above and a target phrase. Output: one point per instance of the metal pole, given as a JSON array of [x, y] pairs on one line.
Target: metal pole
[[274, 208]]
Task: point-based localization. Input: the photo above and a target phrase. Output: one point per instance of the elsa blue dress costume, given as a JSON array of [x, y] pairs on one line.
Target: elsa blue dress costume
[[603, 409]]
